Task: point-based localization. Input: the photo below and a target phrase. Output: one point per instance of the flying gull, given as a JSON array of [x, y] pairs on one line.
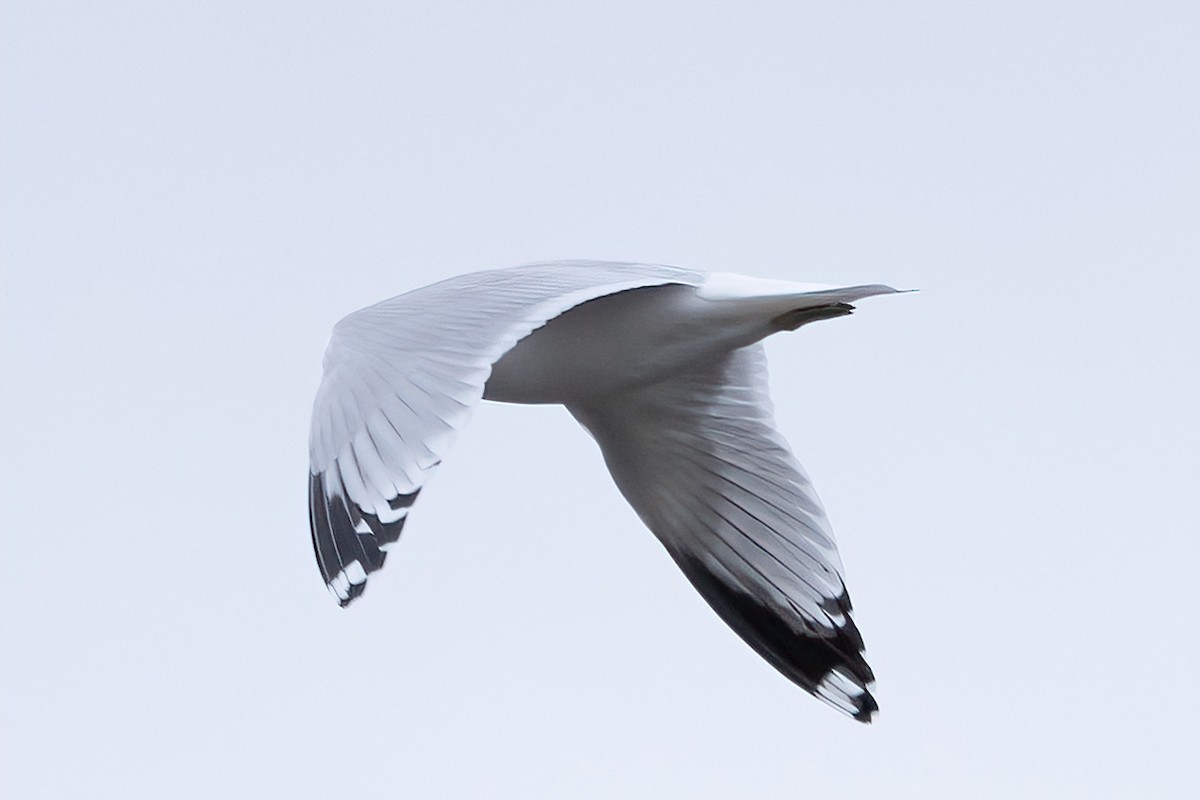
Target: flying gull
[[665, 368]]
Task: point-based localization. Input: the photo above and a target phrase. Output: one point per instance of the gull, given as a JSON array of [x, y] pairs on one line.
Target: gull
[[665, 368]]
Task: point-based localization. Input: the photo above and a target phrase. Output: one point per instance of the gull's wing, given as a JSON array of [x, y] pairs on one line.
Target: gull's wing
[[699, 459], [402, 377]]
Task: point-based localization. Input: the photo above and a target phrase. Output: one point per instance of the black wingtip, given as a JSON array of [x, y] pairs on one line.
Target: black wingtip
[[354, 592], [347, 540], [830, 667], [867, 710]]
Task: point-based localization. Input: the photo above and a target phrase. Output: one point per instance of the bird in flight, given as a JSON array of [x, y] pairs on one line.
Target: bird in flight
[[665, 369]]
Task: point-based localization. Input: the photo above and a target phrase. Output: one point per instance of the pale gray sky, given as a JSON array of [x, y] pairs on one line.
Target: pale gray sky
[[193, 193]]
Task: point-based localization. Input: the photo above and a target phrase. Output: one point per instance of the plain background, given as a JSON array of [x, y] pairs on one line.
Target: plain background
[[193, 193]]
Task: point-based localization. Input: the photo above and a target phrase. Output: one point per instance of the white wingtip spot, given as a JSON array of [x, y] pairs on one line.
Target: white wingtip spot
[[840, 690], [839, 681], [385, 514], [352, 574], [355, 572], [388, 515]]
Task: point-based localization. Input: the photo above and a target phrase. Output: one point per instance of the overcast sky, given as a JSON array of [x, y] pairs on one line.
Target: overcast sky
[[193, 193]]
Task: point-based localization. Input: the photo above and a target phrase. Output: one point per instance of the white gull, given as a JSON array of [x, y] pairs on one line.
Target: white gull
[[665, 368]]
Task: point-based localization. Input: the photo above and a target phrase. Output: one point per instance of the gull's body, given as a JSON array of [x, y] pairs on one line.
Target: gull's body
[[664, 368]]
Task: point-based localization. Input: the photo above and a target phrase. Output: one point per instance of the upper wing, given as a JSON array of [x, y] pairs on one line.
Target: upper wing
[[700, 460], [401, 379]]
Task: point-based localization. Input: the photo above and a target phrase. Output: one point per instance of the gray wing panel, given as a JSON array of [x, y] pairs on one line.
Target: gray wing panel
[[700, 460], [402, 377]]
